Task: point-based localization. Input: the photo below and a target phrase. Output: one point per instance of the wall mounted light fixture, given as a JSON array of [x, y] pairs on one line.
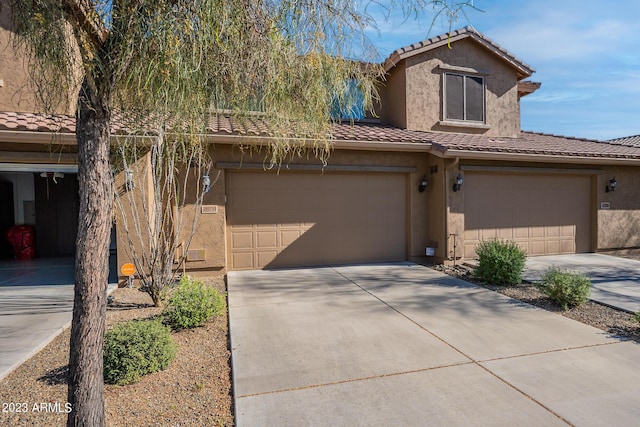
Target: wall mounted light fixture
[[458, 184], [206, 183], [423, 184], [129, 184], [611, 186]]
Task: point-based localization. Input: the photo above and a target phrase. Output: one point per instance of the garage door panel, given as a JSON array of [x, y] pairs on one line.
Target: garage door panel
[[267, 238], [545, 214], [553, 247], [554, 231], [536, 247], [243, 259], [242, 239], [333, 218], [568, 247]]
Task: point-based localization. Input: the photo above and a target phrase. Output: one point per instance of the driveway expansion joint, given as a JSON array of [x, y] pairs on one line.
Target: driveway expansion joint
[[453, 347], [373, 377]]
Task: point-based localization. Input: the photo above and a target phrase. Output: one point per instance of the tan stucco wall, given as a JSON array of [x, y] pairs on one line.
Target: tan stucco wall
[[619, 226], [455, 215], [16, 93], [127, 198], [424, 90], [392, 109]]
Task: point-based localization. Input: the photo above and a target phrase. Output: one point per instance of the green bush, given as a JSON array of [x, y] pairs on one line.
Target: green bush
[[136, 348], [564, 288], [191, 304], [500, 262]]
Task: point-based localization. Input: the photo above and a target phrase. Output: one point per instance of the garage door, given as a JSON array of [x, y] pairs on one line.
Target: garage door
[[544, 214], [305, 219]]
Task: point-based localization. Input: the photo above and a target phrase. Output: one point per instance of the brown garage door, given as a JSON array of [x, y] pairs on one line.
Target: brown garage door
[[304, 219], [544, 214]]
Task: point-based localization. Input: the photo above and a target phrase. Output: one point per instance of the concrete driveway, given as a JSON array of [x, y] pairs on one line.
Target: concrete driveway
[[402, 344], [615, 281], [36, 304]]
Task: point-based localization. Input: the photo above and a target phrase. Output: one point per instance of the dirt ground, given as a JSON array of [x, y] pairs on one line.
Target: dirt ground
[[195, 390]]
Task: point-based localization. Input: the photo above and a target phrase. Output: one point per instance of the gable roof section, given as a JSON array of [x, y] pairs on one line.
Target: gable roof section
[[529, 146], [631, 141], [398, 55]]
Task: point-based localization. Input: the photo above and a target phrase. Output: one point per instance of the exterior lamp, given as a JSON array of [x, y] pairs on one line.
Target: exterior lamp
[[423, 184], [206, 183], [129, 184], [458, 184], [612, 185]]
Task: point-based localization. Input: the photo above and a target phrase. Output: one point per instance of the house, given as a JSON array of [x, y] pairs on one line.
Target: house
[[445, 167]]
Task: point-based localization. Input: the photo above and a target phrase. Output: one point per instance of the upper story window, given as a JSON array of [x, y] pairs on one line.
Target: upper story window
[[464, 98]]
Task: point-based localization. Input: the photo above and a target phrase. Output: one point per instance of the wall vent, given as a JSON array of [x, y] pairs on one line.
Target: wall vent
[[196, 255]]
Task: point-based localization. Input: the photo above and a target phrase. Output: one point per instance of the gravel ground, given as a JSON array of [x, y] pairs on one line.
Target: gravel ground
[[195, 390], [616, 322]]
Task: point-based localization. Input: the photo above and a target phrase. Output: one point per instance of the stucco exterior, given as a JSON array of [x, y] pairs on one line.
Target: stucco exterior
[[16, 90], [618, 212], [422, 76]]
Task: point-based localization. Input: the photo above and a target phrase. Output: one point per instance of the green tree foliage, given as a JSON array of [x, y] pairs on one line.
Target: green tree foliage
[[161, 67]]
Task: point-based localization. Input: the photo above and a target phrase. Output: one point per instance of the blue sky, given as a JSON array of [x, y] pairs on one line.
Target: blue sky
[[586, 53]]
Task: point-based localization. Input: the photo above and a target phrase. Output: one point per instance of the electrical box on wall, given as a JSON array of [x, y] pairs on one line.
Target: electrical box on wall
[[605, 205]]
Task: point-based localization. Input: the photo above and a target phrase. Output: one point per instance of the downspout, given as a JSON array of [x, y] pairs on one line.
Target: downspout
[[456, 161]]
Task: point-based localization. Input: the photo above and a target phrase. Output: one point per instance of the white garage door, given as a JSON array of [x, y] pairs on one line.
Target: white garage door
[[305, 219], [544, 214]]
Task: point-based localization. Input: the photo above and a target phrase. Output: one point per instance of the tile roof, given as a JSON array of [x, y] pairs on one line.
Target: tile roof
[[631, 141], [534, 144], [343, 131], [528, 143], [218, 125], [37, 122], [405, 52]]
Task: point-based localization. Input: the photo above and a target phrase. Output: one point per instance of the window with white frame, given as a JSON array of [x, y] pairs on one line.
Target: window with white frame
[[464, 98]]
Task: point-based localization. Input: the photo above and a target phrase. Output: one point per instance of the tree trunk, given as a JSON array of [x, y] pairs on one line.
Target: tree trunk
[[86, 384]]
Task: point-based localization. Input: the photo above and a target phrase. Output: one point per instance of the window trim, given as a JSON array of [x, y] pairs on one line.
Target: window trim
[[464, 76]]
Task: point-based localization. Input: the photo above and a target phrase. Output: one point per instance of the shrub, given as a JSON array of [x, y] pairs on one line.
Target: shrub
[[136, 348], [500, 262], [564, 288], [191, 304]]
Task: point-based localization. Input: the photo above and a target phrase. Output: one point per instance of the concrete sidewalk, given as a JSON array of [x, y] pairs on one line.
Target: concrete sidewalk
[[615, 281], [402, 344], [30, 318]]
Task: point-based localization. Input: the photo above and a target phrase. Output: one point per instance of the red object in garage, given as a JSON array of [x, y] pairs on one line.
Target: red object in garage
[[23, 240]]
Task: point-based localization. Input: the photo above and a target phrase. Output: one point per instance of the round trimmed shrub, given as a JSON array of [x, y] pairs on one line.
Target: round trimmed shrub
[[136, 348], [500, 262], [192, 304], [565, 289]]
